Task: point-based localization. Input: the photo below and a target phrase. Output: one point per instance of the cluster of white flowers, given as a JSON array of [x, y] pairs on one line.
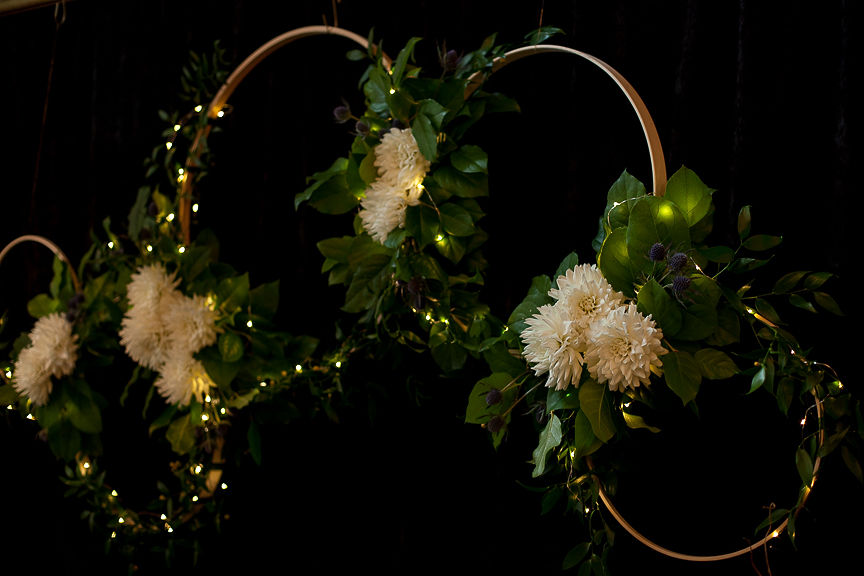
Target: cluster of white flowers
[[163, 329], [401, 170], [53, 351], [589, 324]]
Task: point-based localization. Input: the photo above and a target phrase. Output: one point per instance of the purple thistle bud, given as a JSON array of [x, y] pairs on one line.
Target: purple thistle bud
[[680, 284], [657, 252], [451, 60], [677, 261], [342, 114], [493, 396], [362, 128], [495, 424]]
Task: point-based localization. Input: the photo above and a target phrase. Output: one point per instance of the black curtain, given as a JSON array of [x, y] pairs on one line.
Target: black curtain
[[762, 100]]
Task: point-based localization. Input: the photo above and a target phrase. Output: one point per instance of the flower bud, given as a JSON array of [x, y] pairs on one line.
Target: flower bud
[[362, 128], [677, 261], [450, 60], [342, 114], [680, 284], [657, 252], [495, 424], [493, 396]]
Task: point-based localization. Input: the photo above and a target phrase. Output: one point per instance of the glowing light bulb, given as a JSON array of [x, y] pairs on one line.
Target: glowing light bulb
[[8, 373], [204, 417], [207, 398], [181, 249], [428, 316], [31, 417], [195, 207], [177, 127], [163, 516], [439, 238], [10, 407], [224, 486], [198, 108], [170, 217], [198, 469], [110, 245], [168, 528], [168, 145], [121, 520], [338, 364], [263, 384], [149, 248], [114, 493], [298, 368], [113, 534], [248, 323], [223, 410], [392, 90], [220, 114]]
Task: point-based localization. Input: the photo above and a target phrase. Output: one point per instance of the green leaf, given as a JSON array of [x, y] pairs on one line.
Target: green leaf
[[758, 379], [585, 442], [683, 375], [42, 305], [654, 300], [230, 347], [469, 159], [761, 242], [450, 356], [715, 364], [690, 194], [568, 263], [576, 555], [456, 220], [538, 295], [462, 184], [562, 399], [596, 403], [744, 222], [425, 127], [614, 262], [634, 421], [620, 198], [264, 299], [478, 411], [253, 437], [405, 55], [816, 280], [800, 302], [338, 167], [85, 415], [377, 89], [804, 464], [138, 214], [828, 303], [654, 219], [422, 223], [788, 281], [700, 317], [163, 419], [550, 438], [181, 434], [233, 293]]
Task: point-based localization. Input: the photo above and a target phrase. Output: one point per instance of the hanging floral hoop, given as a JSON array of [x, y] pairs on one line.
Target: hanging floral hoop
[[50, 245], [658, 170], [216, 107]]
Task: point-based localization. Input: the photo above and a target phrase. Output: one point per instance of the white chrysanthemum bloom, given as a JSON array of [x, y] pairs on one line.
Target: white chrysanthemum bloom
[[143, 332], [587, 295], [53, 351], [192, 324], [181, 378], [399, 160], [623, 346], [550, 345], [383, 210]]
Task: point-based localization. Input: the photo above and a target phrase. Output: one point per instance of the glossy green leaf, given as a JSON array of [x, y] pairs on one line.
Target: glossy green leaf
[[683, 375], [456, 220], [230, 346], [652, 220], [550, 438], [596, 402], [715, 364], [469, 159], [761, 242], [614, 262], [181, 435], [690, 194], [653, 299]]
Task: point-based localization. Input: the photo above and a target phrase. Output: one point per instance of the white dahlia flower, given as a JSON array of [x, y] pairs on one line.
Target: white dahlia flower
[[143, 331], [399, 160], [192, 324], [52, 352], [382, 210], [550, 345], [586, 294], [623, 346], [181, 378]]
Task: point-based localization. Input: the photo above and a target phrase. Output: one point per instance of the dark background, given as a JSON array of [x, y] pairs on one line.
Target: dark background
[[762, 100]]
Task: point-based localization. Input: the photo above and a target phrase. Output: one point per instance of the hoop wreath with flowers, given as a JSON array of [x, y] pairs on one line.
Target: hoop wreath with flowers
[[599, 353], [152, 324]]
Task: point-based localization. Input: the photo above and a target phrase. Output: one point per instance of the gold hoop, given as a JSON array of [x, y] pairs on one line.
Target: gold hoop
[[218, 102], [51, 245], [658, 170], [655, 150]]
